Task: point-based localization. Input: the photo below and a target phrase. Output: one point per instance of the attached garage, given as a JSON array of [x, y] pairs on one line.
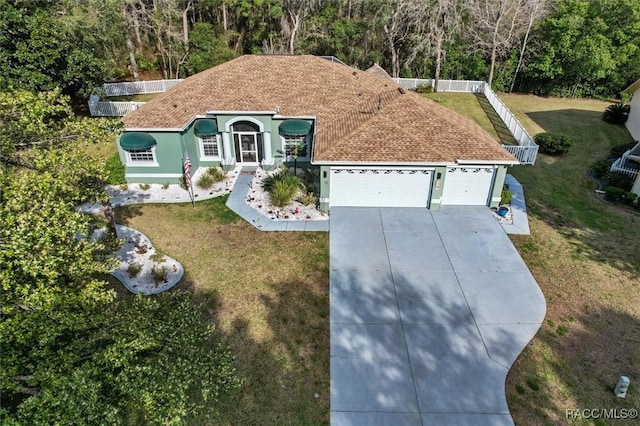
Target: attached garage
[[469, 185], [380, 187]]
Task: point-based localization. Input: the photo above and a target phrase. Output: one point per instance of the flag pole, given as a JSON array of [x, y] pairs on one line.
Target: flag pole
[[186, 164]]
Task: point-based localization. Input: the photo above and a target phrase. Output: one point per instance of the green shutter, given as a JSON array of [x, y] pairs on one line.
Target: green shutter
[[294, 127], [136, 140], [205, 127]]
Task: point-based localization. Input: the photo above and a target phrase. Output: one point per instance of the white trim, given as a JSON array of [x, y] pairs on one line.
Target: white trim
[[488, 162], [158, 175], [242, 112], [364, 167], [156, 129], [201, 149], [227, 127], [355, 164], [130, 163]]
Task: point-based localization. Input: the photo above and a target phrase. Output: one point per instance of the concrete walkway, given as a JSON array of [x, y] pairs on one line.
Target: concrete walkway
[[237, 203], [428, 310]]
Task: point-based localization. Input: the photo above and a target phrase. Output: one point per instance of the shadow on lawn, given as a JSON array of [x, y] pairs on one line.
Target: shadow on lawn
[[501, 129], [565, 121], [286, 376], [603, 345]]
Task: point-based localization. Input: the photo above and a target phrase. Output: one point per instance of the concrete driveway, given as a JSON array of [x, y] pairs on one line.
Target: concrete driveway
[[428, 312]]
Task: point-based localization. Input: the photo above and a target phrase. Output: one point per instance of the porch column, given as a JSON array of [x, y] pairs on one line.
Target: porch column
[[226, 146], [266, 137]]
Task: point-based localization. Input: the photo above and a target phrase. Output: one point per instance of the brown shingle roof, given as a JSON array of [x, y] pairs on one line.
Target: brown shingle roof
[[378, 70], [360, 117]]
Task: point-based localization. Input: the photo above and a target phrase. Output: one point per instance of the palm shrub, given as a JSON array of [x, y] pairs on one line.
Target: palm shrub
[[505, 196], [205, 181], [282, 193], [601, 167], [617, 113], [282, 176], [553, 144], [217, 174]]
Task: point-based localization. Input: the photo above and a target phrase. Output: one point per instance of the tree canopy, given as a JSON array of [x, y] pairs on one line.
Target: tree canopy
[[73, 352], [562, 47]]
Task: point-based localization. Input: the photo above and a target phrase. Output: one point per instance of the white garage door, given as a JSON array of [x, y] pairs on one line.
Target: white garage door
[[467, 186], [380, 187]]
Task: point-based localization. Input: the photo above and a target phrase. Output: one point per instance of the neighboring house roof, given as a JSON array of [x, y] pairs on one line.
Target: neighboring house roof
[[360, 116], [633, 87], [379, 71]]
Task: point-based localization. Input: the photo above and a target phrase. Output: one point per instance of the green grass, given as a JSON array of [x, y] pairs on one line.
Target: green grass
[[585, 255], [266, 293]]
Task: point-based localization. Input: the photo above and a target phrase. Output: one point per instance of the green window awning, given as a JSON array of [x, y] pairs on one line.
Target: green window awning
[[206, 127], [136, 140], [294, 127]]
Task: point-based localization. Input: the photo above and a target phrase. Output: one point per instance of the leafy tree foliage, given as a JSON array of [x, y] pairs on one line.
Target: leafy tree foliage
[[73, 352], [39, 54]]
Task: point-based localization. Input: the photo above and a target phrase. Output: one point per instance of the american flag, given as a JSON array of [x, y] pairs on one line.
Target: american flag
[[187, 167]]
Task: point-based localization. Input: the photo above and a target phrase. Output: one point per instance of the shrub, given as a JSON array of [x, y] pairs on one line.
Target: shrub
[[506, 196], [620, 180], [553, 144], [115, 170], [282, 193], [134, 269], [123, 186], [165, 185], [145, 186], [217, 174], [157, 257], [618, 150], [183, 183], [309, 179], [159, 274], [617, 113], [282, 176], [424, 88], [601, 167], [308, 199], [614, 193], [205, 181]]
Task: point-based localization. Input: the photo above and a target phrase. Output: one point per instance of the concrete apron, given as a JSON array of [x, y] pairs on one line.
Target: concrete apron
[[428, 311]]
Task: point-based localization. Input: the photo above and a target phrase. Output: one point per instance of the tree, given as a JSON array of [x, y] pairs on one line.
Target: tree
[[72, 351], [495, 26], [439, 24], [39, 53], [534, 10]]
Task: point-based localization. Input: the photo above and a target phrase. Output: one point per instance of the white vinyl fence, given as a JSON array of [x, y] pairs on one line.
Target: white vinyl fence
[[467, 86], [139, 87], [99, 108], [618, 166], [526, 151]]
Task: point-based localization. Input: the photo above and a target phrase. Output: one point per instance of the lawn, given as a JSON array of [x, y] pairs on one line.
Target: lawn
[[585, 255], [266, 293]]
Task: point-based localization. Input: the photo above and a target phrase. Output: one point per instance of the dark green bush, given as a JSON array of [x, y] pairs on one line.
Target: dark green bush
[[618, 150], [115, 170], [601, 167], [617, 113], [553, 144], [620, 180], [613, 193], [424, 88]]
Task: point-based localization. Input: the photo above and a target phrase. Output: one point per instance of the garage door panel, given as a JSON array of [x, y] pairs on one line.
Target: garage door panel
[[467, 186], [380, 187]]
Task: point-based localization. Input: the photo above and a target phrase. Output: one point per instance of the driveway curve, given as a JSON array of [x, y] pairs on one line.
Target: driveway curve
[[428, 311]]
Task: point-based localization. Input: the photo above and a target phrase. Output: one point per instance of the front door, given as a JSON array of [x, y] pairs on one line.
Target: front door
[[246, 148]]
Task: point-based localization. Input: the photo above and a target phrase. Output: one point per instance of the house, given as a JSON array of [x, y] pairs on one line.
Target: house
[[629, 163], [373, 142]]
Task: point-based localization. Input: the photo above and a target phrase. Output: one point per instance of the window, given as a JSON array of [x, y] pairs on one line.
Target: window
[[290, 144], [209, 147], [141, 155]]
